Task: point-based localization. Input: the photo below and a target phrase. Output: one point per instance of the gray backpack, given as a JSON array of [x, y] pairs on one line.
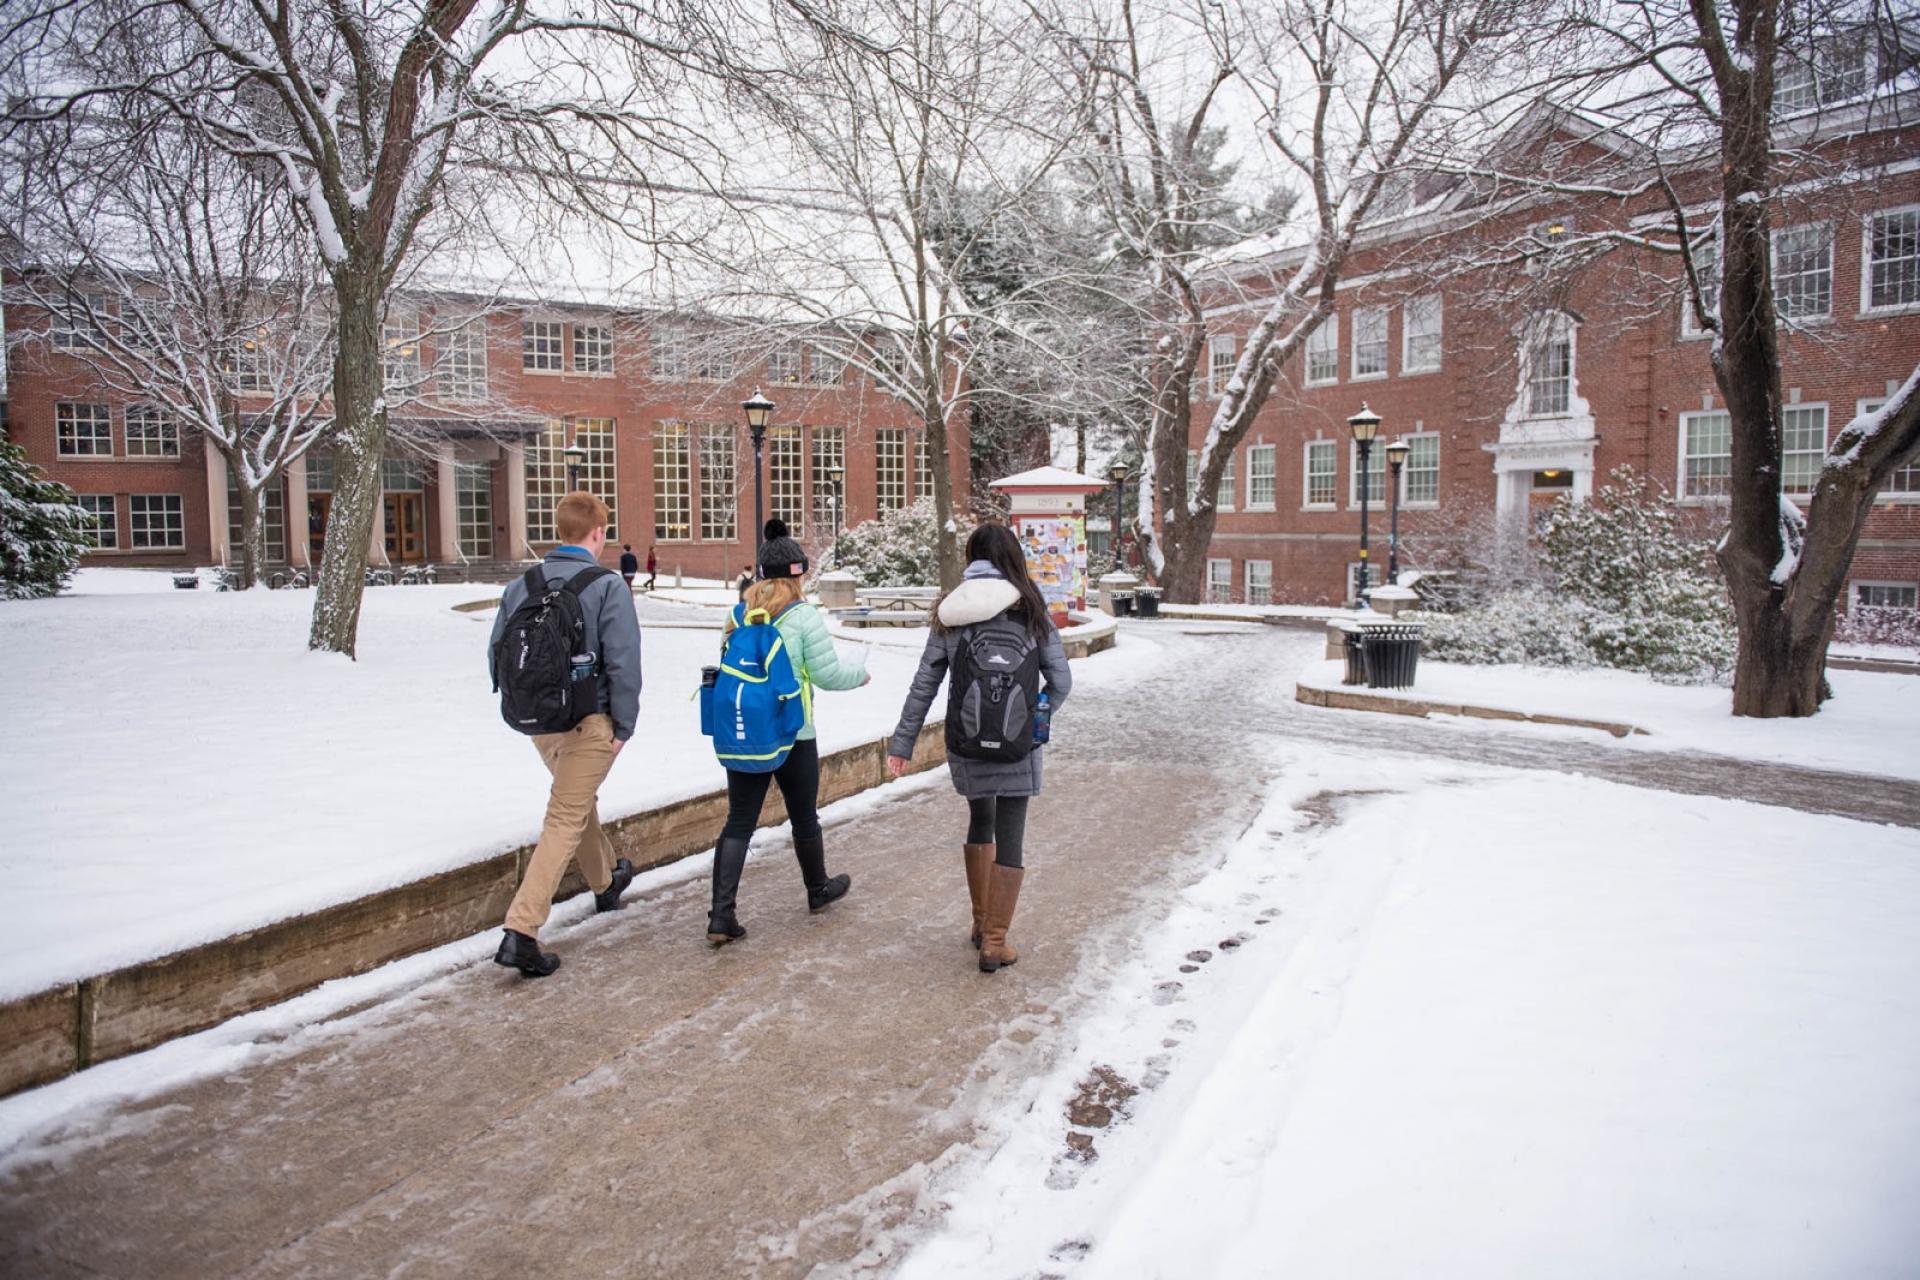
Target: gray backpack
[[993, 683]]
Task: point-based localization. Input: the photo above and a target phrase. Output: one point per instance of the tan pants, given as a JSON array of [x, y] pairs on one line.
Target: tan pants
[[579, 760]]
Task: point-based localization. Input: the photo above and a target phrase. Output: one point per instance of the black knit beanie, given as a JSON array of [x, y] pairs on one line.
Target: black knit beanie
[[780, 555]]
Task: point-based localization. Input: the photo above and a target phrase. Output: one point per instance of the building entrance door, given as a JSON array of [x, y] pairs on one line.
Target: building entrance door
[[319, 510], [406, 515], [1547, 487]]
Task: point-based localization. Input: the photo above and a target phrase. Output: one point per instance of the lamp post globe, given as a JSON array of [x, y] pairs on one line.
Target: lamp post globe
[[758, 409], [1365, 426], [1396, 458], [576, 457]]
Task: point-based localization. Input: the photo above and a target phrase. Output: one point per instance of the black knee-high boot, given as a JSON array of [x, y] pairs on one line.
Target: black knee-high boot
[[812, 854], [729, 860]]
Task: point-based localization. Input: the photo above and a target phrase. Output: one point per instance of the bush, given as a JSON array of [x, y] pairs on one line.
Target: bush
[[43, 533], [1529, 625], [1872, 624], [899, 549]]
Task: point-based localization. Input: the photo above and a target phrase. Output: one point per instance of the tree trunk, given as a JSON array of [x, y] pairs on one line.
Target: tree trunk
[[1777, 673], [950, 557], [360, 444], [253, 556]]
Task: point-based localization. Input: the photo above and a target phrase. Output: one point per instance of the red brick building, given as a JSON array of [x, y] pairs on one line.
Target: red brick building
[[1510, 393], [478, 457]]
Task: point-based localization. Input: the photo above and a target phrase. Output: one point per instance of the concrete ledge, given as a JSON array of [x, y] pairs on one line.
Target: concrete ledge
[[1358, 698], [52, 1033], [1092, 633]]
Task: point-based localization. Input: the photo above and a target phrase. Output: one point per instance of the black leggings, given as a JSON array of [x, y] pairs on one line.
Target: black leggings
[[1001, 820], [799, 779]]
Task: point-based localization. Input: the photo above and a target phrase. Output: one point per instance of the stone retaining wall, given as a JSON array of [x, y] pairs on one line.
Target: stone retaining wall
[[1362, 699]]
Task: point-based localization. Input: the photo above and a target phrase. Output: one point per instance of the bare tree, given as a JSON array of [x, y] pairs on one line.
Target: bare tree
[[172, 270]]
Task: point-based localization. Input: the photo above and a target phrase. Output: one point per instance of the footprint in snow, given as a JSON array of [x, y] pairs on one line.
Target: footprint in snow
[[1167, 992]]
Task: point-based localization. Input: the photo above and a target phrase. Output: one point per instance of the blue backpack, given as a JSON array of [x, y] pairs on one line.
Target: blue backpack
[[753, 710]]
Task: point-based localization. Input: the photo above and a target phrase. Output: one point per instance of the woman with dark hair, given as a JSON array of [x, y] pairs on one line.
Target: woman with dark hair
[[995, 595]]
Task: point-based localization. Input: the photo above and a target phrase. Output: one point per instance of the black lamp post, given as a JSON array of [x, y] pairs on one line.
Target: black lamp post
[[576, 457], [1118, 474], [1396, 458], [1365, 425], [835, 476], [758, 410]]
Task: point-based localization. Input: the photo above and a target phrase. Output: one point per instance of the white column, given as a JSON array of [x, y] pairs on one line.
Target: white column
[[299, 541], [447, 547], [217, 505], [514, 458], [1583, 482]]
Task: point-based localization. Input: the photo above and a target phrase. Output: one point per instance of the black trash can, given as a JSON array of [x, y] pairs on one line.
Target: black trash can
[[1390, 654], [1123, 604], [1356, 660], [1147, 602]]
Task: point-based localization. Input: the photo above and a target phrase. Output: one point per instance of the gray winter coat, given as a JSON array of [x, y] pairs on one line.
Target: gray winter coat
[[982, 595], [612, 631]]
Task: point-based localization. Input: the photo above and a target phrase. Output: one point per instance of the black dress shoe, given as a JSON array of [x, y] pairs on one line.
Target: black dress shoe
[[608, 899], [818, 899], [518, 951]]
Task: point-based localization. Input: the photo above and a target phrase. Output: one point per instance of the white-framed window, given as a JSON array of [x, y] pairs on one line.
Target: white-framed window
[[83, 430], [786, 478], [1803, 446], [1219, 582], [463, 362], [712, 359], [1321, 472], [546, 467], [249, 362], [1886, 595], [1803, 271], [146, 321], [922, 466], [672, 483], [1259, 581], [1903, 482], [152, 432], [1224, 495], [1376, 474], [1840, 69], [829, 449], [78, 326], [593, 349], [1420, 477], [1193, 474], [157, 521], [825, 368], [1891, 252], [1706, 454], [473, 506], [667, 352], [1323, 353], [542, 348], [719, 491], [889, 469], [273, 523], [1549, 367], [400, 348], [783, 365], [403, 475], [1369, 343], [1706, 265], [1420, 335], [1260, 477], [1222, 354], [104, 529]]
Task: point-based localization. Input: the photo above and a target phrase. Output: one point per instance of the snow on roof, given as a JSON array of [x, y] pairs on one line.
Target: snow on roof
[[1048, 478]]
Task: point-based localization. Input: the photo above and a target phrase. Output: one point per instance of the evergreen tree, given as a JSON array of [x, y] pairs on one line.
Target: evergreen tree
[[43, 533]]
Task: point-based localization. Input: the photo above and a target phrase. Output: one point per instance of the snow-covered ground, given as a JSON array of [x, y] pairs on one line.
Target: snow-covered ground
[[1488, 1023], [178, 767], [1871, 725]]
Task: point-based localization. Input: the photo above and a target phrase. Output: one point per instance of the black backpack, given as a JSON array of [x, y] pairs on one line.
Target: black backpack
[[541, 688], [993, 682]]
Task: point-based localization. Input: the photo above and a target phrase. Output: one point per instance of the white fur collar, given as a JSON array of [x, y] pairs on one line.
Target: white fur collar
[[976, 600]]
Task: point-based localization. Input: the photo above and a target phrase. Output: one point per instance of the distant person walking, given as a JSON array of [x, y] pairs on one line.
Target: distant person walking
[[746, 575], [565, 655], [803, 635], [993, 642], [630, 564], [653, 566]]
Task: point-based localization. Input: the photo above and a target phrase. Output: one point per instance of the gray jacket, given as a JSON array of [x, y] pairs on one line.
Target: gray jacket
[[612, 631], [983, 594]]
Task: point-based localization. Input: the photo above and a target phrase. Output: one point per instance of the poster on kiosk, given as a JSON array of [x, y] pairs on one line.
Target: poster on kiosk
[[1047, 510]]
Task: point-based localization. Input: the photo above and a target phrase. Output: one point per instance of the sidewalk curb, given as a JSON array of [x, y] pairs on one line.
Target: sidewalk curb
[[56, 1032], [1393, 704]]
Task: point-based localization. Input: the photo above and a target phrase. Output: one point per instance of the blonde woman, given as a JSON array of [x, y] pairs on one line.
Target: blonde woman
[[783, 567]]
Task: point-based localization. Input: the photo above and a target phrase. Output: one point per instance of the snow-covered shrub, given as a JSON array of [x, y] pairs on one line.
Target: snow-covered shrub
[[1529, 625], [1874, 624], [898, 549], [43, 533]]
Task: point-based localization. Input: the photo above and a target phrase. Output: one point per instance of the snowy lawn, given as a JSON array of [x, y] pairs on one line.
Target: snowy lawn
[[178, 767], [1872, 724], [1488, 1024]]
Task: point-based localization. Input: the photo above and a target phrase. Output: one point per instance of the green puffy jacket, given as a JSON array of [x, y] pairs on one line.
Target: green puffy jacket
[[814, 658]]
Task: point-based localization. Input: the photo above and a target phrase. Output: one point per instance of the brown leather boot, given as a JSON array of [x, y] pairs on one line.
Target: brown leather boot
[[1003, 895], [979, 858]]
